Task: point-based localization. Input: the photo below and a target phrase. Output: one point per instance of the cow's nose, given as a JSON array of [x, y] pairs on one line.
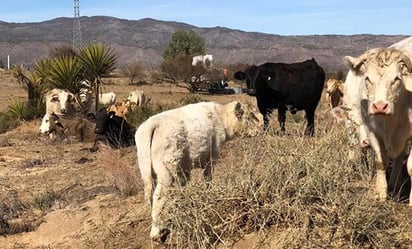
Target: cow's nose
[[63, 110], [380, 107]]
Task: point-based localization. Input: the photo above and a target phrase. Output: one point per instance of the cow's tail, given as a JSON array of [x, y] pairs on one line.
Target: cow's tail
[[143, 138]]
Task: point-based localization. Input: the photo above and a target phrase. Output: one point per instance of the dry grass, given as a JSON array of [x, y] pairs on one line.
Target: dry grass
[[119, 174], [288, 183]]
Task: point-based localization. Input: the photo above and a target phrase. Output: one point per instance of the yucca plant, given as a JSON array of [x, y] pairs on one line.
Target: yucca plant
[[19, 110], [61, 72], [97, 61], [32, 81]]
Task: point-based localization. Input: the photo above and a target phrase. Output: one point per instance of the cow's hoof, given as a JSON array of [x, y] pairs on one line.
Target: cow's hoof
[[158, 234]]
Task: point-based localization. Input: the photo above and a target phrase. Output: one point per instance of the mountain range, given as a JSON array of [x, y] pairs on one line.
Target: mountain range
[[143, 41]]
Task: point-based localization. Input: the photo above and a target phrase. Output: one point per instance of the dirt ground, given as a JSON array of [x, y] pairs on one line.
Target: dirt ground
[[88, 211]]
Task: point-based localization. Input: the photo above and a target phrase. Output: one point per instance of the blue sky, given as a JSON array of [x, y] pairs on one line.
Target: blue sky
[[283, 17]]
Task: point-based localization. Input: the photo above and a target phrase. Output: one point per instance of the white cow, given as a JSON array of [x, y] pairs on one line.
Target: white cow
[[173, 142], [206, 59], [66, 126], [59, 101], [354, 99], [107, 99], [137, 97], [385, 74]]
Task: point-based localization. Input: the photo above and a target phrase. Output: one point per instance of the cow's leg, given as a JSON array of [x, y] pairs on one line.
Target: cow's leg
[[310, 118], [399, 180], [282, 119], [164, 181], [381, 163], [409, 166], [265, 113]]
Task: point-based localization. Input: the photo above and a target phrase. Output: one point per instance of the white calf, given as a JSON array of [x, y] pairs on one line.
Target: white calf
[[173, 142]]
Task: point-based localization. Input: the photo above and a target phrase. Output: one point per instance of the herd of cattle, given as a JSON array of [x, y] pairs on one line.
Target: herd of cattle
[[64, 117], [375, 102]]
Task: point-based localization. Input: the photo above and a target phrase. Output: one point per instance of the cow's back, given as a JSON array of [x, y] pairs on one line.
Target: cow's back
[[301, 84], [187, 134]]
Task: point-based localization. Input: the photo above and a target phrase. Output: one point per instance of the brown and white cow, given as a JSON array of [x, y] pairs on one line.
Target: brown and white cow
[[59, 101], [385, 106], [334, 92]]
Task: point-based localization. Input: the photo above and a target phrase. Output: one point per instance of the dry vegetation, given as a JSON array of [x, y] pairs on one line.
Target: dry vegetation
[[267, 192]]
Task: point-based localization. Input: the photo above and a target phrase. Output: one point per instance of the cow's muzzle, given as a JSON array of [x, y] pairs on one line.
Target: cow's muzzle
[[380, 107], [251, 92]]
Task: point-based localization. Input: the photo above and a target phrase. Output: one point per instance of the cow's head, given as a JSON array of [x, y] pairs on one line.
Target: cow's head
[[251, 75], [50, 123], [102, 119], [334, 85], [385, 72], [45, 124], [241, 118], [62, 98]]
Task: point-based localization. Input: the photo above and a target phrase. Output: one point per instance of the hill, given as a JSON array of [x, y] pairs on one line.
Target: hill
[[144, 40]]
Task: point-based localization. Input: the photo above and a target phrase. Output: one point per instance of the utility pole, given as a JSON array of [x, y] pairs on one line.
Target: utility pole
[[77, 34]]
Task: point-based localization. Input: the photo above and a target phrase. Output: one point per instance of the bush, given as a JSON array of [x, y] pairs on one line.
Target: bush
[[119, 174], [132, 72], [21, 111], [191, 99], [140, 114], [44, 200], [6, 122], [179, 68]]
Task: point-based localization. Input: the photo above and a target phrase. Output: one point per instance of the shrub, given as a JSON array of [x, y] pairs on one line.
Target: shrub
[[140, 114], [122, 177], [21, 111], [7, 122], [191, 99], [44, 200], [131, 72]]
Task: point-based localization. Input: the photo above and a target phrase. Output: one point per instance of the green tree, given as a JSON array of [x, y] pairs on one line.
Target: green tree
[[184, 43]]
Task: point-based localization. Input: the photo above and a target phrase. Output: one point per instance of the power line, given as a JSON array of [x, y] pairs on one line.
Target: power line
[[77, 34]]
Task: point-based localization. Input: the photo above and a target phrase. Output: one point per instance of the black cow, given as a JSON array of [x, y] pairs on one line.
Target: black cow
[[113, 129], [281, 86]]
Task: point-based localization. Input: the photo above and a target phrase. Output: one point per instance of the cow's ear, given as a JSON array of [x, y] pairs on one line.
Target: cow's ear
[[57, 123], [71, 96], [340, 113], [356, 65]]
